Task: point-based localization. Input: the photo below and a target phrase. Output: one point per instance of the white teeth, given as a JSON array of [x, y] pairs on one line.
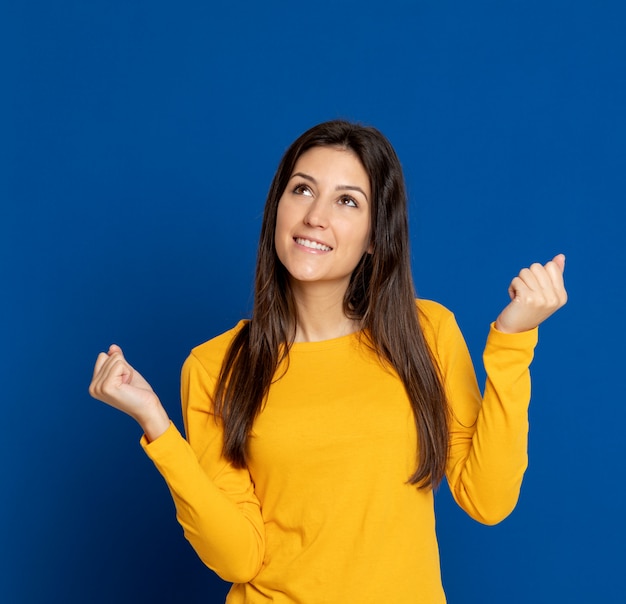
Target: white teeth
[[313, 245]]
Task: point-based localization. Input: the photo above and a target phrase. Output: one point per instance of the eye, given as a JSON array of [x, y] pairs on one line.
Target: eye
[[302, 190], [348, 201]]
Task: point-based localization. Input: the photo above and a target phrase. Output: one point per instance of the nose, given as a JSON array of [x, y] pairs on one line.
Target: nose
[[317, 213]]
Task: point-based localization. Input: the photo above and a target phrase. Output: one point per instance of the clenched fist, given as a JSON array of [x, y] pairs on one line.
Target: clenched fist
[[536, 293], [117, 384]]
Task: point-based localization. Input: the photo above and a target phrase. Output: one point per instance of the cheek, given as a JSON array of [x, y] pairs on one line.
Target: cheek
[[280, 224], [370, 240], [280, 232], [365, 240]]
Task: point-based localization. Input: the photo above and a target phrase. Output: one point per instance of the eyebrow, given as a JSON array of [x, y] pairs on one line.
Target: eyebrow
[[337, 188]]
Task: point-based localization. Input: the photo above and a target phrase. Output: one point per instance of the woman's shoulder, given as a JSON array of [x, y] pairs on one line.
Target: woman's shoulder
[[212, 352], [432, 311], [436, 321], [440, 329]]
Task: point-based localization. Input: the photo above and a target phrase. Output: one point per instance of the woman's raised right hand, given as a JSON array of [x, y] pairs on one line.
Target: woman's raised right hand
[[117, 384]]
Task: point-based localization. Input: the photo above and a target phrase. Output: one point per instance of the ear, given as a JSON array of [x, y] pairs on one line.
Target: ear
[[370, 249]]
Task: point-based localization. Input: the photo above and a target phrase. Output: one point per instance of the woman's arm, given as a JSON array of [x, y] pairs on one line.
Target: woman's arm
[[215, 503], [488, 437]]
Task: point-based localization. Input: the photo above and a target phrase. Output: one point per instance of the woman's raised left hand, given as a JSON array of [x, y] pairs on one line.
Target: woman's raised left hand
[[536, 293]]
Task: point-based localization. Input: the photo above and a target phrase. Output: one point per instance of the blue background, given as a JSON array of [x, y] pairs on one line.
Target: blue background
[[137, 143]]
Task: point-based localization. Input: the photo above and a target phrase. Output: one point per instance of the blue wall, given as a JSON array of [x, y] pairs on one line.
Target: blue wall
[[137, 142]]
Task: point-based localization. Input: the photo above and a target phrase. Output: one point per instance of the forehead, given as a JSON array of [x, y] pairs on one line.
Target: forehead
[[337, 164]]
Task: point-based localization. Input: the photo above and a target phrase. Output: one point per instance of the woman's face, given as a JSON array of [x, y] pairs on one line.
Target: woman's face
[[323, 222]]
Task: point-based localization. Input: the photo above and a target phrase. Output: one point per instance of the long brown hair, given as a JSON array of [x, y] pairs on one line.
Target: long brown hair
[[380, 295]]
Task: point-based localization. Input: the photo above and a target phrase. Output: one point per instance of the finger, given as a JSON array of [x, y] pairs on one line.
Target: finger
[[556, 277], [100, 361], [517, 288], [103, 363], [108, 378], [559, 260], [99, 375], [555, 272], [115, 348], [103, 356], [541, 275], [529, 279], [551, 292], [117, 372]]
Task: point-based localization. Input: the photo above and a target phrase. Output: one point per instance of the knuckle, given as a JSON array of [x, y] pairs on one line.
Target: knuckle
[[552, 301], [530, 300]]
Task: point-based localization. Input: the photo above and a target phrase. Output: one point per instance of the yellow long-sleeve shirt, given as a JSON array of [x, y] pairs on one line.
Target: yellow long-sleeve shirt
[[324, 512]]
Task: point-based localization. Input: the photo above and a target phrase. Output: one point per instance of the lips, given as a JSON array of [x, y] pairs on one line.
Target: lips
[[313, 245]]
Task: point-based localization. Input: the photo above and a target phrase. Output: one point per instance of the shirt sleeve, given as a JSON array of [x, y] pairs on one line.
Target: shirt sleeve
[[488, 434], [215, 502]]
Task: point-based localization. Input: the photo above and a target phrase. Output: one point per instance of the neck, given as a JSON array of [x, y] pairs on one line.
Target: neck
[[320, 314]]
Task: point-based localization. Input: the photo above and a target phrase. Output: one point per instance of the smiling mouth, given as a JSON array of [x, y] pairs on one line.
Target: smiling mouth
[[312, 244]]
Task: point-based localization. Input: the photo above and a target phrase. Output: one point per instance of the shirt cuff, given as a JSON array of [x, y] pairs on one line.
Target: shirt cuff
[[523, 339], [162, 444]]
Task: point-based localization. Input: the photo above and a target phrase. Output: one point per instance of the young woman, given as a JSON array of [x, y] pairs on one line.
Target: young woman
[[317, 430]]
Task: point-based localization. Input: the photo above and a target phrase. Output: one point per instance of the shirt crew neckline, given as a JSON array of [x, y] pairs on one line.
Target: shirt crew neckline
[[318, 345], [329, 344]]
